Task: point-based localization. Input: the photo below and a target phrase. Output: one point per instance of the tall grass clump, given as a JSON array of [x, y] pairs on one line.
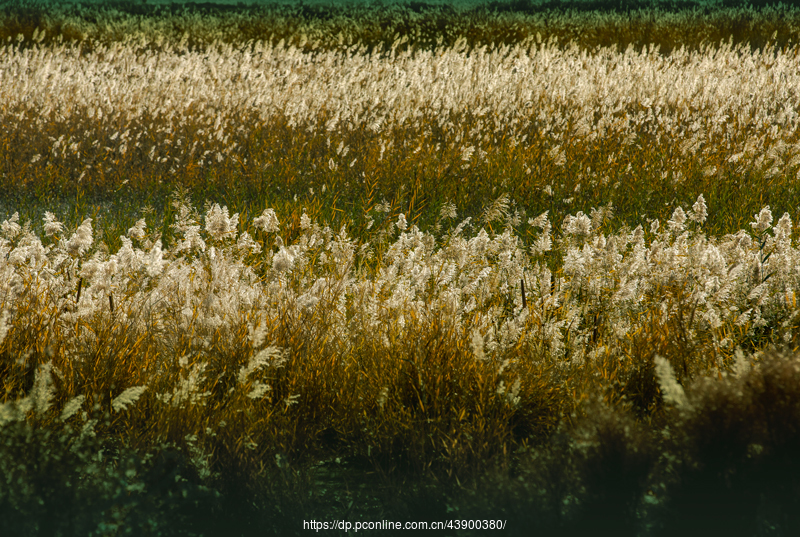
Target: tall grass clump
[[732, 448], [722, 460], [243, 350], [346, 114]]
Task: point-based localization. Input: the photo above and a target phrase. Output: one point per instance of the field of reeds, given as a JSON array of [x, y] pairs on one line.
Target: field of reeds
[[529, 265]]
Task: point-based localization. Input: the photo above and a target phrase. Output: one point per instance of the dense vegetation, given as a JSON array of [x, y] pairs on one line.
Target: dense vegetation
[[516, 262]]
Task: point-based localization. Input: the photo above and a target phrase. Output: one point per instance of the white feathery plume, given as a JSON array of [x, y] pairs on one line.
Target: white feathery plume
[[137, 231], [126, 398], [671, 390], [43, 390], [448, 211], [677, 222], [762, 221], [269, 356], [579, 225], [218, 224], [402, 225], [11, 227], [81, 240], [4, 325], [72, 406], [268, 221], [51, 225], [477, 344], [699, 210], [283, 260]]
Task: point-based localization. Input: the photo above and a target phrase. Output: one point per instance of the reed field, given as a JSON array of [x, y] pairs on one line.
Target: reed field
[[517, 268]]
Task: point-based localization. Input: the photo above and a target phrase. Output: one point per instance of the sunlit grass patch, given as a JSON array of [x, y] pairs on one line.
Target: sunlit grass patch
[[241, 349]]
